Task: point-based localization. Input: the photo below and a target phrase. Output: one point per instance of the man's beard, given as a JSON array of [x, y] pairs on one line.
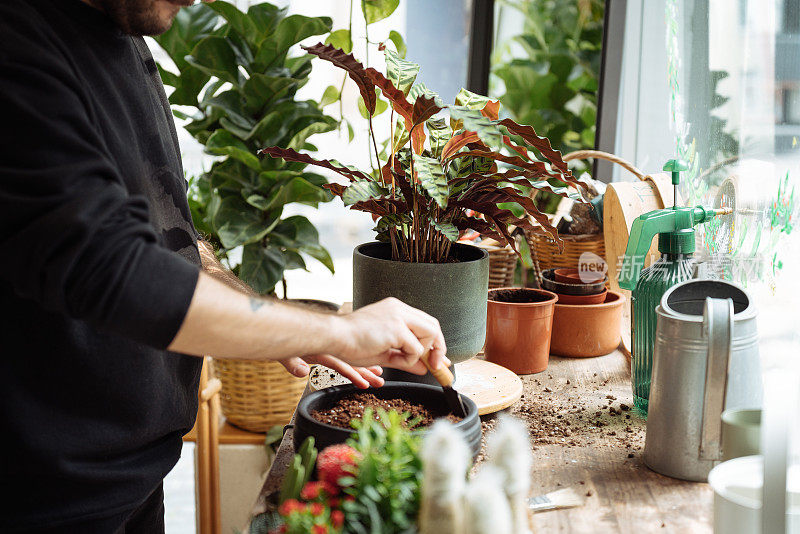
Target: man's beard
[[139, 17]]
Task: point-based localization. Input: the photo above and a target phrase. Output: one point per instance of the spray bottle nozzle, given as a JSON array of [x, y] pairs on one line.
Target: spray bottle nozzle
[[675, 166]]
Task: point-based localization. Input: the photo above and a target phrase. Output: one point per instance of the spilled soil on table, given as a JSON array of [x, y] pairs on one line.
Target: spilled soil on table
[[353, 406]]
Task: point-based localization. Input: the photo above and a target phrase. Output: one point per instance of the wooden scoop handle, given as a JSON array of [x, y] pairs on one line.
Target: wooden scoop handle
[[443, 375]]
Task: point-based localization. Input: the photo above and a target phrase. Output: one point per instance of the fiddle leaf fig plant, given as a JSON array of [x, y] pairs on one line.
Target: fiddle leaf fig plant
[[236, 86], [442, 178]]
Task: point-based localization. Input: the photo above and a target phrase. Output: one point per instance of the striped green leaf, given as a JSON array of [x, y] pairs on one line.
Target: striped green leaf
[[446, 229], [472, 121], [362, 190], [400, 72], [432, 178]]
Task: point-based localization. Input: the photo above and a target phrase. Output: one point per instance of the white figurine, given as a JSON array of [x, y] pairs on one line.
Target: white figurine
[[508, 449], [487, 510], [445, 460]]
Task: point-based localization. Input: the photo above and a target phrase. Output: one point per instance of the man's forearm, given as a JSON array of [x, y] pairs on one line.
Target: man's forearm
[[225, 322]]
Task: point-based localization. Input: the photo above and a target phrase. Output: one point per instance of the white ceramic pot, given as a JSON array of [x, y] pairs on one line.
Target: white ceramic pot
[[738, 492]]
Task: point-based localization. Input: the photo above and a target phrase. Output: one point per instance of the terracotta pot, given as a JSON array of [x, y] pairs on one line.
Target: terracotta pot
[[581, 331], [573, 276], [549, 283], [518, 333], [582, 300], [567, 276]]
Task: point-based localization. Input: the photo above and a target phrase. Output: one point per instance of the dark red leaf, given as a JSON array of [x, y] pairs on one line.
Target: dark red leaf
[[353, 67], [491, 110], [456, 143], [540, 143], [424, 108], [397, 98], [287, 154]]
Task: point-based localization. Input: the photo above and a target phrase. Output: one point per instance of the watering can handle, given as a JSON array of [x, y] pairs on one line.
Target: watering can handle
[[718, 322]]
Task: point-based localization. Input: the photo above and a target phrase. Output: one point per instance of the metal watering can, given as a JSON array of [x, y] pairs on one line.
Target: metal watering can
[[705, 360]]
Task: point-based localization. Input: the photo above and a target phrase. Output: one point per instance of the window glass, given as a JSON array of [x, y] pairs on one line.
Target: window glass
[[715, 83]]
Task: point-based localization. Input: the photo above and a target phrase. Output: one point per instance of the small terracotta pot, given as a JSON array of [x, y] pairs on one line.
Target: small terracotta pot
[[518, 333], [581, 331], [573, 276], [582, 300], [567, 276]]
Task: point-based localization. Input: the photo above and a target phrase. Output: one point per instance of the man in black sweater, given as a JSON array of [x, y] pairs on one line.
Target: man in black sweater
[[106, 305]]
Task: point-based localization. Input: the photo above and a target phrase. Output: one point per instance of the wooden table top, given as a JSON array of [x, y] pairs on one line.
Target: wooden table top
[[584, 437]]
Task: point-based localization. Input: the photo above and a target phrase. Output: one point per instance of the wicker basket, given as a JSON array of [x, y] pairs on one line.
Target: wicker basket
[[545, 252], [257, 395], [502, 267], [547, 256]]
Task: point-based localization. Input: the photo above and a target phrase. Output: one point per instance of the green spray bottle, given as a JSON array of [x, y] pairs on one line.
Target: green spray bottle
[[676, 243]]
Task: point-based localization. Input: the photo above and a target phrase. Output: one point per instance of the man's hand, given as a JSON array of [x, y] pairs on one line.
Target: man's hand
[[388, 332], [391, 334]]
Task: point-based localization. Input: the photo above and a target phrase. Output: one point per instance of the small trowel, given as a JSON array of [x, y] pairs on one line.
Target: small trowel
[[446, 379]]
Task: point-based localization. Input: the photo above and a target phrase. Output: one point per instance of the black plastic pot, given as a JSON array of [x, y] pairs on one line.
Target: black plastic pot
[[454, 293], [430, 397], [549, 283]]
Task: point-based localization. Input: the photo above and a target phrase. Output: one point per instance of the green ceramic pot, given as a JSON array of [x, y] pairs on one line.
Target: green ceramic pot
[[454, 293]]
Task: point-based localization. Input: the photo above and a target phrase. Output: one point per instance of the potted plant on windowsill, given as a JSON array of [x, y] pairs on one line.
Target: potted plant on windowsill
[[430, 174]]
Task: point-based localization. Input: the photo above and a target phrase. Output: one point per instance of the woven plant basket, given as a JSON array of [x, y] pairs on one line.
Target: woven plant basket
[[256, 396], [545, 252], [547, 256], [502, 266]]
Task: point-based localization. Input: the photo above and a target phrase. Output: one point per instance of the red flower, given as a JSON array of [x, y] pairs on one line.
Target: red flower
[[316, 508], [337, 518], [319, 529], [311, 490], [336, 461], [334, 502], [289, 506]]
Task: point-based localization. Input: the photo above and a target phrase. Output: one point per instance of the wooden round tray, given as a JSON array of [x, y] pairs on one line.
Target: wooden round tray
[[490, 386]]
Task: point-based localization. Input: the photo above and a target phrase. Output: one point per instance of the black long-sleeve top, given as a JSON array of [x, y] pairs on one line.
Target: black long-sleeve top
[[99, 263]]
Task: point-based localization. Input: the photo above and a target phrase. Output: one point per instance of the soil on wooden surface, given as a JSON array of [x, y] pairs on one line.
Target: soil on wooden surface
[[556, 412], [518, 296], [352, 407]]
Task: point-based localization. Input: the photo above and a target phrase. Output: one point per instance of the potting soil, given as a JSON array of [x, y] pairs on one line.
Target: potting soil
[[352, 407]]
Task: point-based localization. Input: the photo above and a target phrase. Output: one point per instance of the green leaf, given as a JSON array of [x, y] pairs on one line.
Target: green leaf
[[222, 143], [399, 44], [439, 133], [289, 32], [472, 120], [237, 223], [297, 233], [432, 178], [237, 20], [265, 16], [330, 96], [375, 10], [340, 39], [446, 229], [400, 72], [362, 190], [189, 26], [262, 90], [380, 105], [261, 267], [471, 100], [322, 125], [298, 190], [214, 56], [258, 201]]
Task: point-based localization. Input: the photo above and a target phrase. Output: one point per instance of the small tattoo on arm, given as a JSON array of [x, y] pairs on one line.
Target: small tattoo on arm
[[256, 303]]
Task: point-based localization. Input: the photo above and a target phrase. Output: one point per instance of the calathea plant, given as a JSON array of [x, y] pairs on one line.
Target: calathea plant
[[235, 75], [442, 178]]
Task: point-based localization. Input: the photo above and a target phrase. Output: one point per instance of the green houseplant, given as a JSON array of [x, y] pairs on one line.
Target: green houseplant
[[439, 179], [553, 84], [236, 87]]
